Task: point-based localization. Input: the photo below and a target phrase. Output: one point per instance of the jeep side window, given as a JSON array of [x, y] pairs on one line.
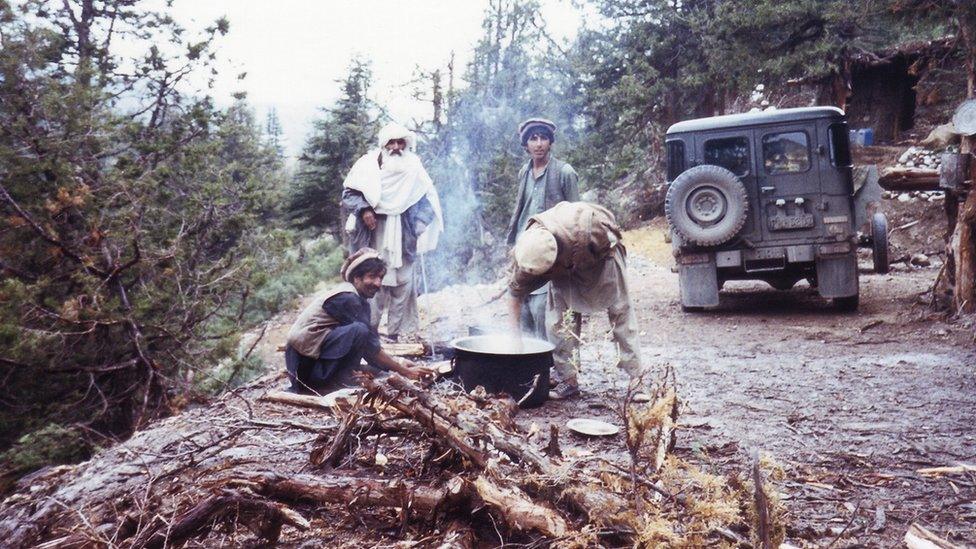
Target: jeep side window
[[787, 152], [676, 158], [732, 153], [840, 145]]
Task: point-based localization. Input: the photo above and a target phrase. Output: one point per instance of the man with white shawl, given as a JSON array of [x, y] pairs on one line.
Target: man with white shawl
[[394, 209]]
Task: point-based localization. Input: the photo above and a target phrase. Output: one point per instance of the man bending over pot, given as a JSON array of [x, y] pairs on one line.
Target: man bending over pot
[[332, 335], [576, 246]]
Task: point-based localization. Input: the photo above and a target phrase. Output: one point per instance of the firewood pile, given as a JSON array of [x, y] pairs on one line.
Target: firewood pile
[[400, 465]]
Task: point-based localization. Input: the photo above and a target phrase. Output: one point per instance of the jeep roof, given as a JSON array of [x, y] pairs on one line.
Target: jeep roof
[[754, 119]]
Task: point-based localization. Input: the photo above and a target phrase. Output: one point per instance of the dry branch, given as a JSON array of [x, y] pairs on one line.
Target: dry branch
[[520, 512], [405, 349], [263, 517], [292, 399], [763, 523], [954, 470], [330, 455], [358, 491], [919, 538], [456, 438]]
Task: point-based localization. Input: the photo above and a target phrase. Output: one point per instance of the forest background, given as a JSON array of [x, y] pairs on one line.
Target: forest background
[[143, 229]]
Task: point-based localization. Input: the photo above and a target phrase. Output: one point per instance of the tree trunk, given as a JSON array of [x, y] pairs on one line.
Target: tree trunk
[[964, 250], [964, 236]]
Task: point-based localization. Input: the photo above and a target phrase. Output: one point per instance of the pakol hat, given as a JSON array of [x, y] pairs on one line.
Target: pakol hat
[[535, 250], [527, 128], [355, 260]]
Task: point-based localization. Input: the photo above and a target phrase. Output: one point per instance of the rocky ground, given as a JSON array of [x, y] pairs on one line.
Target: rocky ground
[[851, 405], [849, 408]]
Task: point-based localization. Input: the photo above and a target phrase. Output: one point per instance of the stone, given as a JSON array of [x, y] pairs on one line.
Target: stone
[[920, 260], [941, 136]]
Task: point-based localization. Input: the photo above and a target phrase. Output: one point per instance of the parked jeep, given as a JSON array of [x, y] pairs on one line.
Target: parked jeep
[[767, 196]]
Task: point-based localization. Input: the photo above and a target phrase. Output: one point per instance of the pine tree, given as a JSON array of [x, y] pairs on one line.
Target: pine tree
[[273, 131], [129, 213], [344, 132]]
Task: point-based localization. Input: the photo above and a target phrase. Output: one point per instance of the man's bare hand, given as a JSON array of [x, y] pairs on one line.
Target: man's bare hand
[[415, 371], [369, 218]]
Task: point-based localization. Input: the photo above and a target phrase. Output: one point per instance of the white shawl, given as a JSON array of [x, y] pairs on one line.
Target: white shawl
[[392, 193]]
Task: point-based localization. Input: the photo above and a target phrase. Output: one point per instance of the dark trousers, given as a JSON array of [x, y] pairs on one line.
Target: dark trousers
[[340, 357]]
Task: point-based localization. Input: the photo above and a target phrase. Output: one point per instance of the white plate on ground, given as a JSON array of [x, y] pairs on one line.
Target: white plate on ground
[[592, 427]]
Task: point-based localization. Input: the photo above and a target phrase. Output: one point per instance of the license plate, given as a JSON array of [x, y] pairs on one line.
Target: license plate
[[786, 223]]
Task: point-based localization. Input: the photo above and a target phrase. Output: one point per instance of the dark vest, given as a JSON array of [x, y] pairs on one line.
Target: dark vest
[[313, 324], [553, 193]]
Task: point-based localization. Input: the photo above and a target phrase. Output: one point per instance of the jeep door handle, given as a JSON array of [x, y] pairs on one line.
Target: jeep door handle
[[765, 190]]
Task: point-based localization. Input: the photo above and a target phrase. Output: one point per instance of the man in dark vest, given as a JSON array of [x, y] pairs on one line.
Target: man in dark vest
[[543, 182], [332, 335]]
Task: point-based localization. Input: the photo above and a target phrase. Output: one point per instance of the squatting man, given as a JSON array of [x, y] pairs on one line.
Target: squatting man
[[332, 336], [394, 210], [576, 246]]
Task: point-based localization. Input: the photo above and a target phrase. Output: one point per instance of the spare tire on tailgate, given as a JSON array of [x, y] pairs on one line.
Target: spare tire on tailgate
[[706, 205]]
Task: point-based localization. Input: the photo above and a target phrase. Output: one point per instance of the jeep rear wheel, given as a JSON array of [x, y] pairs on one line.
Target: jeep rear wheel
[[879, 242], [706, 205]]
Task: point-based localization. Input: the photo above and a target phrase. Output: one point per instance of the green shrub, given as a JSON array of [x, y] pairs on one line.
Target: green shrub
[[51, 445], [294, 276]]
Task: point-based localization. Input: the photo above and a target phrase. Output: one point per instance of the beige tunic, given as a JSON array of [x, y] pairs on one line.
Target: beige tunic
[[586, 237], [314, 324], [589, 276]]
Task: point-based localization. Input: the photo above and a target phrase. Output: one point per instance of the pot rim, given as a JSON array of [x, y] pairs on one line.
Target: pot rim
[[531, 345]]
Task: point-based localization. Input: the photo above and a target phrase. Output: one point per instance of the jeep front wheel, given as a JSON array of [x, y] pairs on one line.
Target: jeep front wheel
[[706, 205]]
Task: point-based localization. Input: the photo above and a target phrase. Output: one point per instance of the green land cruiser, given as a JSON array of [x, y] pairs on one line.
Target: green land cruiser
[[768, 196]]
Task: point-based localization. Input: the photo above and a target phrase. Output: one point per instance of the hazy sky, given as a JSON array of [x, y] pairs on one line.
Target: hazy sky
[[294, 51]]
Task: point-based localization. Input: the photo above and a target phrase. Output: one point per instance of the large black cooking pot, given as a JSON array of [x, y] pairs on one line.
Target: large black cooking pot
[[504, 364]]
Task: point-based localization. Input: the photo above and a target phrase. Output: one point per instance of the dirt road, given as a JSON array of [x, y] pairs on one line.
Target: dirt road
[[850, 405]]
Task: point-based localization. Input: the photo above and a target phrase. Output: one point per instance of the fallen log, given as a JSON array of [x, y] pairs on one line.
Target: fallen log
[[405, 349], [292, 399], [357, 491], [263, 517], [509, 503], [909, 179], [520, 512]]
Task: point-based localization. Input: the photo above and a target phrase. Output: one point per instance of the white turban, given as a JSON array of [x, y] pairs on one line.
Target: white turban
[[393, 131]]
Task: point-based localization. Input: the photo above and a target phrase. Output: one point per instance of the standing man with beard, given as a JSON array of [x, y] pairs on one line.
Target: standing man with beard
[[394, 210], [543, 182], [328, 341]]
